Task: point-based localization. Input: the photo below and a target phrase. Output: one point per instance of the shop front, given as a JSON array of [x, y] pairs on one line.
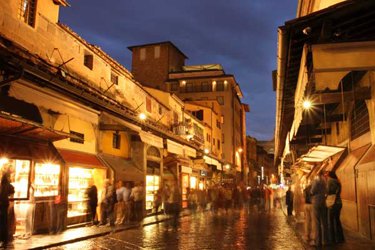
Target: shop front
[[83, 170], [185, 183], [35, 169], [153, 177]]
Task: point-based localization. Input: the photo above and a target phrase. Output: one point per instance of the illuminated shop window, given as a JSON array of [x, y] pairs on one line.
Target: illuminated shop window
[[47, 177], [19, 175]]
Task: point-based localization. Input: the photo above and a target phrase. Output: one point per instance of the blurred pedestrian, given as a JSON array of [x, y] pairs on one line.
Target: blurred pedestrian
[[120, 205], [289, 201], [6, 190], [92, 203], [127, 202], [174, 204], [320, 227], [334, 223], [137, 194], [309, 234]]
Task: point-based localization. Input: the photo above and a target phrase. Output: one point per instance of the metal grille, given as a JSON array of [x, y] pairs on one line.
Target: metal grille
[[360, 120]]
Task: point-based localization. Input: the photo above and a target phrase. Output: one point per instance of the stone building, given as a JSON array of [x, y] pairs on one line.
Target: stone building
[[325, 102]]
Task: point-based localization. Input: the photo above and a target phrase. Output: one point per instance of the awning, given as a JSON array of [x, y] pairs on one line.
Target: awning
[[333, 61], [151, 139], [11, 147], [17, 126], [189, 151], [125, 170], [75, 158], [211, 161], [321, 153], [368, 160], [186, 170], [175, 148]]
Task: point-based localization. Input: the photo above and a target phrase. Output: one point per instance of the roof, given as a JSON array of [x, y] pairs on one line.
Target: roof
[[158, 43]]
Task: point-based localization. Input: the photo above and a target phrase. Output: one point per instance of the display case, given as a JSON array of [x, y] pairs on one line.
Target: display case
[[79, 181], [152, 186], [47, 176]]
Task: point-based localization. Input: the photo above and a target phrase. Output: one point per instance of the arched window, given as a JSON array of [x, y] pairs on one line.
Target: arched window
[[360, 123]]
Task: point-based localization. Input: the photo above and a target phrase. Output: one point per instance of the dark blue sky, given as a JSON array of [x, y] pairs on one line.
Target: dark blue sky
[[241, 35]]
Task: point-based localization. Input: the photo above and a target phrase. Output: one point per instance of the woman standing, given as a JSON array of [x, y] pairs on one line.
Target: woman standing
[[334, 223]]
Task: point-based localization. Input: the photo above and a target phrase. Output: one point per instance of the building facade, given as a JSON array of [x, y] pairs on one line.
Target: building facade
[[325, 102], [162, 66]]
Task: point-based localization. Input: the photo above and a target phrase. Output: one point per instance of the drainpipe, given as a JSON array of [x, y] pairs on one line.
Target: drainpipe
[[281, 65]]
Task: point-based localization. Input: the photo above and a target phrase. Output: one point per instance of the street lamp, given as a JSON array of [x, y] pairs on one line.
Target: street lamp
[[206, 150], [306, 104], [142, 116]]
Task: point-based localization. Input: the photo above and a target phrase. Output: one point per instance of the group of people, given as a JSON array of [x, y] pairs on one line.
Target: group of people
[[322, 218], [118, 204]]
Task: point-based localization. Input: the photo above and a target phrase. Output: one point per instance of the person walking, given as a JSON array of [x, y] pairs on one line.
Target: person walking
[[289, 197], [127, 203], [174, 204], [319, 211], [334, 224], [6, 190], [92, 203], [137, 194], [120, 205]]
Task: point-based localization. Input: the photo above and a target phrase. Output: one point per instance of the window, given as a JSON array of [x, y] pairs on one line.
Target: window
[[218, 144], [148, 105], [116, 140], [206, 87], [207, 137], [28, 12], [88, 60], [175, 117], [213, 141], [160, 110], [77, 137], [189, 87], [198, 114], [142, 54], [157, 51], [218, 124], [114, 78], [219, 86], [360, 123], [174, 86], [220, 100]]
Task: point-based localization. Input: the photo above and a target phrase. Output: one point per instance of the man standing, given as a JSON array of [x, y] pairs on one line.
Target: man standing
[[308, 213], [6, 190], [319, 211], [289, 201]]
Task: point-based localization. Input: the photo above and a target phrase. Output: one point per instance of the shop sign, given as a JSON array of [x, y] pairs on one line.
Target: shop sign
[[203, 173], [186, 170]]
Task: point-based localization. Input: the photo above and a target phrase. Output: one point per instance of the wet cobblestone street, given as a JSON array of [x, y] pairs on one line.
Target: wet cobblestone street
[[236, 229]]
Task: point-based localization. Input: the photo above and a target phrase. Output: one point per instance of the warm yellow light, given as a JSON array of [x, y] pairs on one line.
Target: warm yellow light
[[206, 150], [142, 116], [3, 161], [183, 82], [240, 150], [227, 166], [193, 182], [306, 104]]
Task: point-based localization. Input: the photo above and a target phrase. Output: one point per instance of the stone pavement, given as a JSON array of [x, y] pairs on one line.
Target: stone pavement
[[42, 241]]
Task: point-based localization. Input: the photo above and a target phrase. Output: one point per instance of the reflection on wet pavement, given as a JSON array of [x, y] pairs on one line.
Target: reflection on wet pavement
[[236, 229]]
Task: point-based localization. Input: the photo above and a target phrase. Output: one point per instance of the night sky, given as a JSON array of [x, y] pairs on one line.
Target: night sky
[[241, 35]]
